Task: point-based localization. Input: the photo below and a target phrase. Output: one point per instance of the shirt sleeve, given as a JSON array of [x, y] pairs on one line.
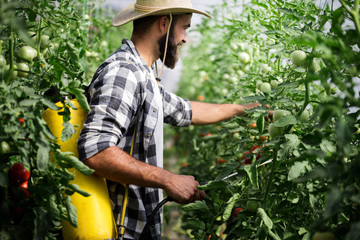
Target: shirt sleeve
[[114, 99], [177, 111]]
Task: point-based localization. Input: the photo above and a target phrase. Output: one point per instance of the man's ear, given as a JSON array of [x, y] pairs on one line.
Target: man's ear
[[163, 24]]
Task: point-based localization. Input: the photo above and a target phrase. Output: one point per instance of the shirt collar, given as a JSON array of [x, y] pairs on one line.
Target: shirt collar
[[131, 48]]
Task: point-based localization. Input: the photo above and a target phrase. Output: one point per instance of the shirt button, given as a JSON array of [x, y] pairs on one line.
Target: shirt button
[[154, 110], [148, 135]]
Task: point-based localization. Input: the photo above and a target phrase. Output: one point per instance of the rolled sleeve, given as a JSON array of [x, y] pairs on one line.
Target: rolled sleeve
[[177, 111], [114, 99]]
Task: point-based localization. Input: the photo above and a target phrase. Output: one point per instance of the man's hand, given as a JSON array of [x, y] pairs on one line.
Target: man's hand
[[183, 189]]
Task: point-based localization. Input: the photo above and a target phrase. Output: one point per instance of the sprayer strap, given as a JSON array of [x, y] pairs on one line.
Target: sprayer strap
[[122, 227]]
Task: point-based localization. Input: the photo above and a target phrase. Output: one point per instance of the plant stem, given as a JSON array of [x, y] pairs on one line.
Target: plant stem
[[11, 69], [354, 13], [271, 174]]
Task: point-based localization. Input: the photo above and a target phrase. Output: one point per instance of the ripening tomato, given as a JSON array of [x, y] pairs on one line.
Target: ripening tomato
[[18, 174]]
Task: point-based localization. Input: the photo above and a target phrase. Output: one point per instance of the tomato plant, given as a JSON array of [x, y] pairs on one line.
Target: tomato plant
[[44, 60], [306, 177]]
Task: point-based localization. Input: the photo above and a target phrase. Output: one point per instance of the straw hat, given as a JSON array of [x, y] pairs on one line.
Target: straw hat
[[144, 8]]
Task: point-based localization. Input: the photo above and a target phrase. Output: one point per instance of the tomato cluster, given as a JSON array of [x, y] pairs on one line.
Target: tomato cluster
[[18, 190]]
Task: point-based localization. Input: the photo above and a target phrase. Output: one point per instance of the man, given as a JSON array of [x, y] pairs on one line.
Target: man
[[128, 109]]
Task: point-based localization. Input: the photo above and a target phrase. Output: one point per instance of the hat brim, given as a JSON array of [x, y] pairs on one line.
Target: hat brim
[[129, 14]]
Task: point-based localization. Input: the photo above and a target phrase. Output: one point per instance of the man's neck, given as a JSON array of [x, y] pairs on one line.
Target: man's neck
[[146, 48]]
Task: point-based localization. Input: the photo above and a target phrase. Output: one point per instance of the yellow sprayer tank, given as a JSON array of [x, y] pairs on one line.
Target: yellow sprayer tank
[[95, 217]]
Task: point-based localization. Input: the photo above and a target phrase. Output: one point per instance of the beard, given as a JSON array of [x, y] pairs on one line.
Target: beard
[[171, 53]]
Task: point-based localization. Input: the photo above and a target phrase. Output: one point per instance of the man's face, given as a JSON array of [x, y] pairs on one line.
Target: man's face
[[177, 37]]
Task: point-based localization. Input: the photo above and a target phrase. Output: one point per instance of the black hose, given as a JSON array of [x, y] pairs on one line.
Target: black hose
[[145, 234]]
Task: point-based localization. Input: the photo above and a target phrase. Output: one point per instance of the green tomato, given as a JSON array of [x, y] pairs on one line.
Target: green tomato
[[252, 205], [279, 113], [304, 115], [270, 41], [315, 65], [265, 68], [7, 71], [233, 45], [236, 136], [2, 61], [4, 148], [274, 130], [274, 83], [45, 41], [258, 84], [265, 87], [244, 57], [298, 57], [323, 236], [24, 67], [27, 53]]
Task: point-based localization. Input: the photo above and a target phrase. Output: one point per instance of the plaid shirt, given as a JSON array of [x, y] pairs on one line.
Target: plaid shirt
[[120, 91]]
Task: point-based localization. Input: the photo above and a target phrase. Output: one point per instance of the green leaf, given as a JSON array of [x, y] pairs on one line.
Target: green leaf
[[286, 121], [251, 171], [67, 132], [40, 222], [72, 213], [3, 179], [291, 144], [50, 104], [327, 146], [73, 161], [43, 156], [254, 98], [297, 169], [230, 205], [79, 95], [196, 206], [313, 139], [267, 221], [260, 124], [77, 189], [300, 69], [28, 102], [354, 231], [332, 204], [213, 185]]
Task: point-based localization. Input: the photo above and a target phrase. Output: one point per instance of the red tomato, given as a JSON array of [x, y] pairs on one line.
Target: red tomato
[[247, 160], [220, 160], [18, 174], [236, 211], [17, 213]]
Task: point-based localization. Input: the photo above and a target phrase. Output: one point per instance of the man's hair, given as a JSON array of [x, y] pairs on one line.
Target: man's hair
[[143, 25]]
